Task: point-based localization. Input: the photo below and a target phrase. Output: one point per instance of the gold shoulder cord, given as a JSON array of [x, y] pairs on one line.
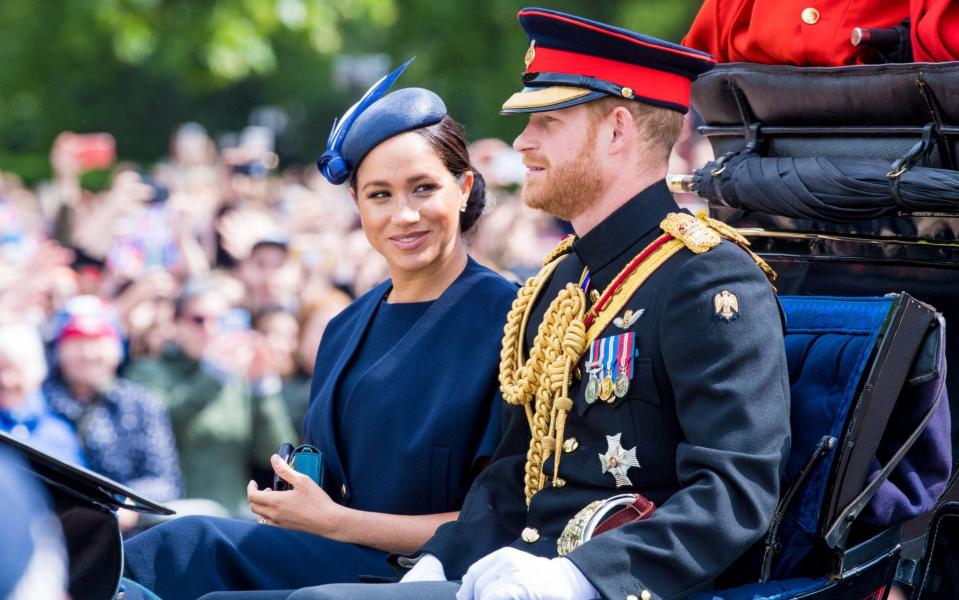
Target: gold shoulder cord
[[562, 337], [560, 341]]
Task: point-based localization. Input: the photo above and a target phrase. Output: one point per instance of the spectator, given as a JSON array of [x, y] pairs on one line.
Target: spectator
[[222, 394], [24, 412], [270, 274], [123, 427], [282, 332]]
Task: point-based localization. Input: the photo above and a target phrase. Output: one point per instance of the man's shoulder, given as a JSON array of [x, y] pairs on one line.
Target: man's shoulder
[[726, 259]]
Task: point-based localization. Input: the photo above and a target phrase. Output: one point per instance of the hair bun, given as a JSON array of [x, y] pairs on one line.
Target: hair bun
[[334, 167]]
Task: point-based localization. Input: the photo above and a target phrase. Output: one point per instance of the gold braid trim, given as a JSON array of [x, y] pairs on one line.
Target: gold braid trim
[[561, 339], [544, 377]]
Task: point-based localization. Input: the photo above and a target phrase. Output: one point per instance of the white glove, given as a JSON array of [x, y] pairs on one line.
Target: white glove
[[511, 574], [427, 568]]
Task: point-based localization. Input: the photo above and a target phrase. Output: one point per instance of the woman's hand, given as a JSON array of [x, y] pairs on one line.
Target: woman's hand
[[306, 507]]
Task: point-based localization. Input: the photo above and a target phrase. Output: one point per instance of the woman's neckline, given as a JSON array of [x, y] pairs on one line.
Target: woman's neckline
[[412, 304]]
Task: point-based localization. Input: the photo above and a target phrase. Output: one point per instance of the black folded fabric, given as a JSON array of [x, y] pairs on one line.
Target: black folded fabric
[[825, 189]]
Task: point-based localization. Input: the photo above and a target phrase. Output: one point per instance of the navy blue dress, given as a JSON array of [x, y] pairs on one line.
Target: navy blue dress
[[403, 402]]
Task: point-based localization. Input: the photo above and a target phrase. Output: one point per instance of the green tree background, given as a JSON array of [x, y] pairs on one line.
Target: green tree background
[[137, 68]]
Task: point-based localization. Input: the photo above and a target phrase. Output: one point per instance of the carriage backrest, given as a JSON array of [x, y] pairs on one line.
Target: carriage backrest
[[849, 361]]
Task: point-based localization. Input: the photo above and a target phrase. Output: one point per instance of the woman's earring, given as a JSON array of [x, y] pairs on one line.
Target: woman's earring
[[463, 207]]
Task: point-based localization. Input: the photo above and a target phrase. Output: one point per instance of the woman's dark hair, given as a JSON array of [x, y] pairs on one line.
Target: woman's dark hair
[[448, 141], [446, 138]]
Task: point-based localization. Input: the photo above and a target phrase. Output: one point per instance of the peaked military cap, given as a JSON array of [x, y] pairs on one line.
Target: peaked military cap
[[375, 118], [572, 60]]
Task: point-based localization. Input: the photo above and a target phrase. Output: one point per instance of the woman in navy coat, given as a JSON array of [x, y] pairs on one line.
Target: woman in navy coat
[[404, 403]]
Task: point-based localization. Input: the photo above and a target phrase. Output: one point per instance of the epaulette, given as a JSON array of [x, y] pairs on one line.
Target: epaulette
[[701, 233], [694, 233], [561, 248]]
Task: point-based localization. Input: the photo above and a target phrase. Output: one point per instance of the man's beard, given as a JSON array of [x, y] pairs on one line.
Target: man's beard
[[567, 190]]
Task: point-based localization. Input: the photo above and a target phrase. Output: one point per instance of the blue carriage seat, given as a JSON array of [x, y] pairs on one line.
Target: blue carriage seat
[[849, 361]]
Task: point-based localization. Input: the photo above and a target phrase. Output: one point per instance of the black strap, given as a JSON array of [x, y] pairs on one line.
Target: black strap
[[920, 150]]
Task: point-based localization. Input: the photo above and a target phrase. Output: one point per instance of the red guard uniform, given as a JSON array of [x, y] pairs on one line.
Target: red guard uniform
[[817, 32], [935, 30]]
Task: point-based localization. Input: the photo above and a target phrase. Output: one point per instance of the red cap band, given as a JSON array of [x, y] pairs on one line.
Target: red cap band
[[644, 81]]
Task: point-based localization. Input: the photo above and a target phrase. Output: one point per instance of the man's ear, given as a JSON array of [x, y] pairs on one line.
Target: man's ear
[[623, 129]]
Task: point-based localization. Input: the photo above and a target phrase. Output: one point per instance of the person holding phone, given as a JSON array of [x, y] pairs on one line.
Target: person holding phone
[[217, 382], [404, 405]]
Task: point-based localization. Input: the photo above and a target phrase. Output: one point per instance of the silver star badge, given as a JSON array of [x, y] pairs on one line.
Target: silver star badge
[[618, 460], [629, 317]]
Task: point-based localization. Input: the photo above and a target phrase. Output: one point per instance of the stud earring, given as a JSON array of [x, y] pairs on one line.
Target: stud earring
[[463, 207]]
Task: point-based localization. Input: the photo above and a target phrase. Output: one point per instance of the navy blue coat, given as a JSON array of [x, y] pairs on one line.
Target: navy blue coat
[[428, 408], [707, 413]]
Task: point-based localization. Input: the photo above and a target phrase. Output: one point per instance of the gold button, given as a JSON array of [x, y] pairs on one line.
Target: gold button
[[560, 482], [594, 296], [530, 535], [810, 16], [343, 490], [570, 445], [632, 597], [627, 92], [646, 595]]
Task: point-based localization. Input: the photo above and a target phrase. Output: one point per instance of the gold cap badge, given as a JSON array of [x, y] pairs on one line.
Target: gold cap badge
[[531, 53]]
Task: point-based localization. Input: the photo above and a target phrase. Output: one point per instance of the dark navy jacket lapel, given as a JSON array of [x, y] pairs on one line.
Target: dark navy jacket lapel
[[329, 387], [433, 316]]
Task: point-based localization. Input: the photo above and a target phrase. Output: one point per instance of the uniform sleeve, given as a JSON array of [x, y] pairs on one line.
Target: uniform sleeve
[[730, 382]]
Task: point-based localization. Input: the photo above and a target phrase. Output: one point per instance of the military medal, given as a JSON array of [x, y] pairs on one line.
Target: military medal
[[608, 359], [592, 368], [617, 460], [621, 386], [606, 388], [592, 386], [624, 361]]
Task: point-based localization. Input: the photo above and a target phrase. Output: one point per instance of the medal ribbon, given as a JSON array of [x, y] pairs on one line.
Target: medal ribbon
[[609, 360], [625, 354]]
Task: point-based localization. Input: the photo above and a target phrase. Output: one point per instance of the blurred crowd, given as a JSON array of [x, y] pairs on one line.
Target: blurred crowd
[[162, 332]]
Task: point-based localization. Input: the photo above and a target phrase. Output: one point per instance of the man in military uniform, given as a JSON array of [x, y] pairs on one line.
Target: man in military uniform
[[644, 364]]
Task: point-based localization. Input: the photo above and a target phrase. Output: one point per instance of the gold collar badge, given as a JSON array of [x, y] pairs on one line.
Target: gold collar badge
[[531, 53]]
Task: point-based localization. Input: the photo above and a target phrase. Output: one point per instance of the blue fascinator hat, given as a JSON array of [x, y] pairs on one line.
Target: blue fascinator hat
[[377, 117]]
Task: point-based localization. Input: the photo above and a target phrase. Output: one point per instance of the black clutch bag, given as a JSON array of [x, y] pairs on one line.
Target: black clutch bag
[[304, 459]]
